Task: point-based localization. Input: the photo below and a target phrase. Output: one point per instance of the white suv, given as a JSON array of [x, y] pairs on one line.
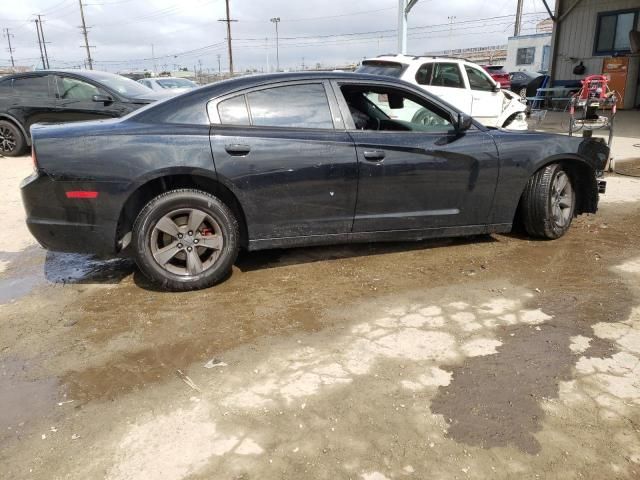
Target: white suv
[[463, 84]]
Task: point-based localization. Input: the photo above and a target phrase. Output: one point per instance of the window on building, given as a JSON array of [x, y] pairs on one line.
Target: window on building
[[612, 34], [525, 56]]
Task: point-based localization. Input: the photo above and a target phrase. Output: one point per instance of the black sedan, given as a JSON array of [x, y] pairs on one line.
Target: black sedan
[[289, 160], [63, 96]]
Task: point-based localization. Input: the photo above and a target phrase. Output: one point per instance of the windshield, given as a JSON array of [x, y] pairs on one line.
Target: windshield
[[175, 83], [120, 84], [380, 67]]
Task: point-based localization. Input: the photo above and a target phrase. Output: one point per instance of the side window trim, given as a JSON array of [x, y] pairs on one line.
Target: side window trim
[[214, 116]]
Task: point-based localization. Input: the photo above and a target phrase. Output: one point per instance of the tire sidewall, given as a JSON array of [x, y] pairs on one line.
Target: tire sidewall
[[175, 200], [555, 230], [20, 140]]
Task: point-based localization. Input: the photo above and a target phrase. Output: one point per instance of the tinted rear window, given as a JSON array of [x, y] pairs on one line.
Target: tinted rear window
[[31, 86], [298, 106], [379, 67]]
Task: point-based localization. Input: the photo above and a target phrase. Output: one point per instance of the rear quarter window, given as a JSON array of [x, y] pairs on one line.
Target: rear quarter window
[[380, 67]]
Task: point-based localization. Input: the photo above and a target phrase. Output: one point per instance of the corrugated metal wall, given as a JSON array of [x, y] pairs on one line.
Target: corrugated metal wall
[[577, 35]]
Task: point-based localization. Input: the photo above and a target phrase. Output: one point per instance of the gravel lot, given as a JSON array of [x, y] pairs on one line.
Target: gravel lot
[[485, 357]]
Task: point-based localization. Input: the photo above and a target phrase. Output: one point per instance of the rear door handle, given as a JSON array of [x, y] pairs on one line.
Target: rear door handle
[[237, 149], [374, 155]]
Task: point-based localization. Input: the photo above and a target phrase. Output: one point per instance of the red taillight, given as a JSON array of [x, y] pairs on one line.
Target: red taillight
[[82, 194]]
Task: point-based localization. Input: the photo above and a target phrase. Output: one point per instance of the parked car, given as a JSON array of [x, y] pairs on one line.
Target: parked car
[[54, 96], [520, 82], [499, 74], [170, 85], [463, 84], [294, 159]]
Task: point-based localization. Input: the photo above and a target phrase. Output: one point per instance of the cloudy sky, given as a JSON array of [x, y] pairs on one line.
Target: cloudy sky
[[186, 32]]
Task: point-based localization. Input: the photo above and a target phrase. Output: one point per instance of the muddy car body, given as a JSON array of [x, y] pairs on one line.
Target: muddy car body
[[289, 160]]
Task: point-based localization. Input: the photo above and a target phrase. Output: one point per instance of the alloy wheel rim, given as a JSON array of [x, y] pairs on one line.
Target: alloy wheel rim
[[7, 140], [561, 200], [186, 242]]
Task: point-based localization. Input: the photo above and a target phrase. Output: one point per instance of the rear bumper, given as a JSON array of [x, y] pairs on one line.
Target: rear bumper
[[66, 225]]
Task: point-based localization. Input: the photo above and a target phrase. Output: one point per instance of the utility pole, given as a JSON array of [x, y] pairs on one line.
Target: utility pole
[[44, 65], [11, 50], [86, 36], [404, 7], [153, 56], [228, 21], [219, 68], [276, 20], [451, 20], [516, 29], [44, 43]]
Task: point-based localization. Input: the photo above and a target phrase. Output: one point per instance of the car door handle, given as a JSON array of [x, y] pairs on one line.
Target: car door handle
[[374, 155], [237, 149]]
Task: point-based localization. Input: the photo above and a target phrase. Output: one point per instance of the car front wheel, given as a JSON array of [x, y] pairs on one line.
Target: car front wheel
[[12, 141], [185, 240], [549, 202]]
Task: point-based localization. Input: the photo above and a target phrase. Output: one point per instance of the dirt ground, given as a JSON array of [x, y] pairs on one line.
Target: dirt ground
[[486, 357]]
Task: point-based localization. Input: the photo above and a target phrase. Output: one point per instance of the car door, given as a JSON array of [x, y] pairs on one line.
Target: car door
[[31, 100], [286, 153], [487, 101], [416, 174], [75, 100], [445, 81]]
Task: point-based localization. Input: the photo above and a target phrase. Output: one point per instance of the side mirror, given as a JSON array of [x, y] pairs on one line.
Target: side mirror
[[463, 123], [106, 99], [496, 88]]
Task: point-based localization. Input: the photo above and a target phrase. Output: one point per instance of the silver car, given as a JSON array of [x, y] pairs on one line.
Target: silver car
[[169, 85]]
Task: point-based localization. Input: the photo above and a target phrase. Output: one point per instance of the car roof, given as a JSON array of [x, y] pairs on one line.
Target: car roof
[[402, 58], [248, 81], [91, 74]]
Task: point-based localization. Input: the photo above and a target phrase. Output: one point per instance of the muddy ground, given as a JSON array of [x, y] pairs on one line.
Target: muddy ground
[[486, 357]]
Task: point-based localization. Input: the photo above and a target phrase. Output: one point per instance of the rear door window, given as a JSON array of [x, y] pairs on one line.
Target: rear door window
[[233, 111], [424, 74], [295, 106], [35, 86], [447, 75]]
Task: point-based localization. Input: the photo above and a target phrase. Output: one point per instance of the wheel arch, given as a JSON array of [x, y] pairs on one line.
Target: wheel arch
[[16, 122], [583, 179], [163, 182]]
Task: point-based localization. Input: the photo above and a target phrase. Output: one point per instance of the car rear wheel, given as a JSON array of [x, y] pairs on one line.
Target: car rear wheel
[[549, 203], [12, 141], [185, 240]]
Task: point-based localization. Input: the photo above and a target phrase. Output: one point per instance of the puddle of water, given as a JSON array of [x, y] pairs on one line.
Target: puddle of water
[[23, 400], [24, 270]]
